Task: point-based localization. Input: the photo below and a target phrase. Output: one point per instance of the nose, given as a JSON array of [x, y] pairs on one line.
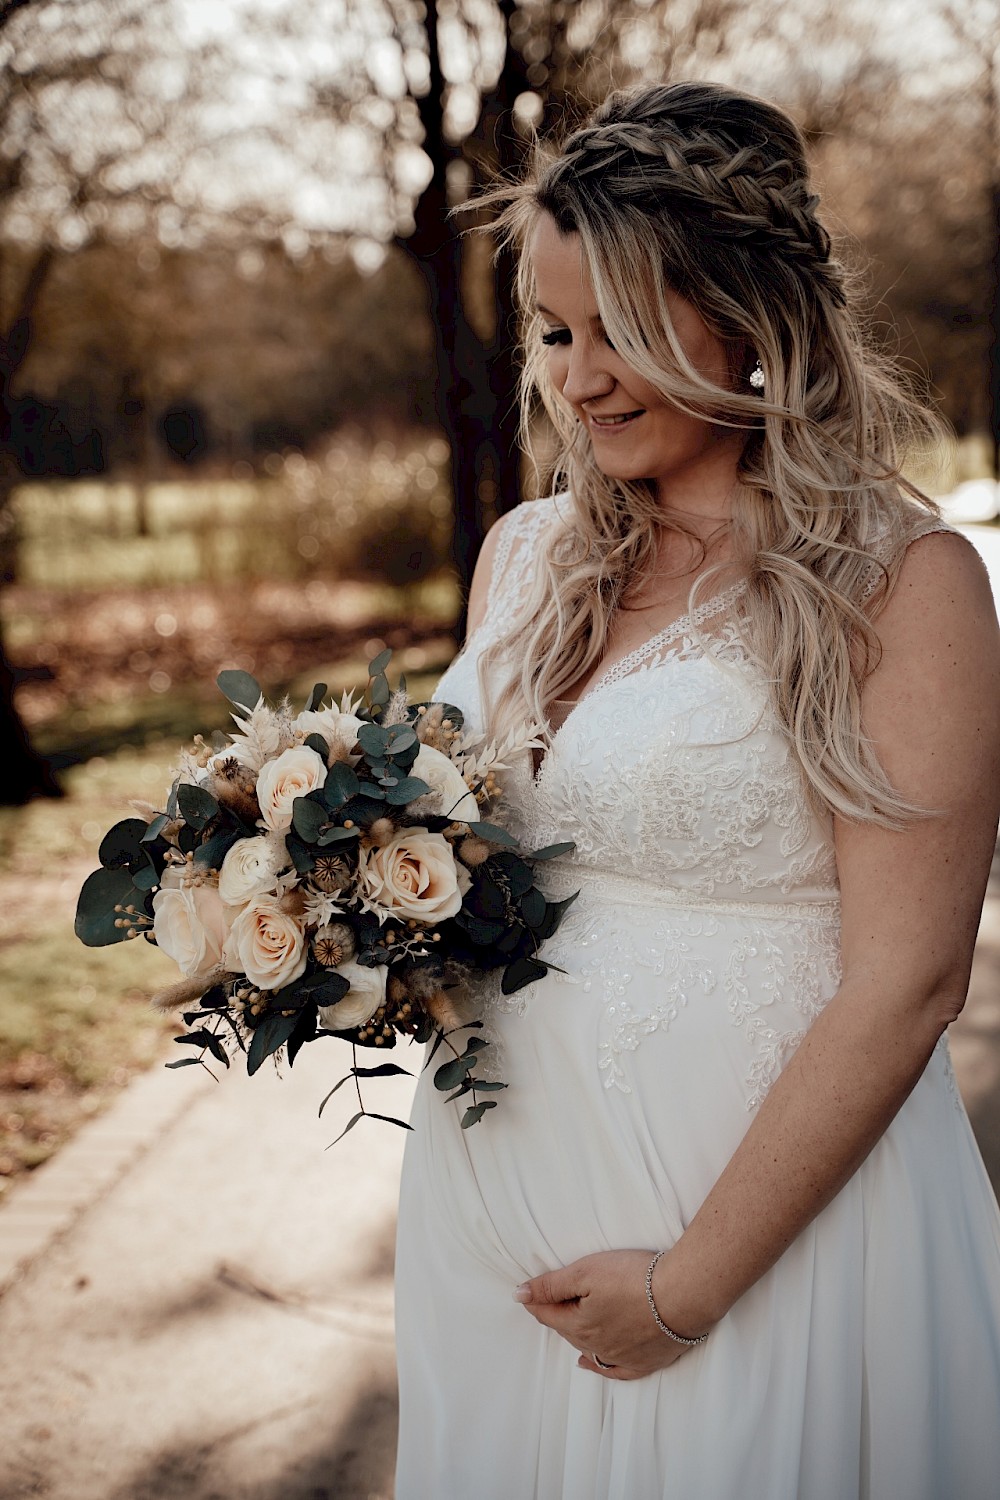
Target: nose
[[587, 373]]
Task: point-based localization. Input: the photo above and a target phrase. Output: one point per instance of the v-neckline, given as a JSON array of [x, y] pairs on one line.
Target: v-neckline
[[677, 627]]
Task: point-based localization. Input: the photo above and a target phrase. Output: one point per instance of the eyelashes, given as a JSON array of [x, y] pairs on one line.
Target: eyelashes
[[556, 337]]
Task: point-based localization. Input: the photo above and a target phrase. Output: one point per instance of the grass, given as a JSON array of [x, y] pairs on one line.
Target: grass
[[75, 1023]]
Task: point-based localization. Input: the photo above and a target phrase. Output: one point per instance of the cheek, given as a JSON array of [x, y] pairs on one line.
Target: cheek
[[557, 363]]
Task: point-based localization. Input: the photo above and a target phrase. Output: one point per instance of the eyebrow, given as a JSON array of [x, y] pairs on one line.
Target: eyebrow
[[596, 318]]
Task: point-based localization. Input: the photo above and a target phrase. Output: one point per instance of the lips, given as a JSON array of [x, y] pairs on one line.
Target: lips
[[614, 420]]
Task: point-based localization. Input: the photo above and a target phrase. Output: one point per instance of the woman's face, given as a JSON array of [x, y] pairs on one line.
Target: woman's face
[[636, 433]]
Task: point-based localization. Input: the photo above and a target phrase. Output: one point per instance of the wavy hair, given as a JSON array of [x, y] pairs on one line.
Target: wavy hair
[[700, 190]]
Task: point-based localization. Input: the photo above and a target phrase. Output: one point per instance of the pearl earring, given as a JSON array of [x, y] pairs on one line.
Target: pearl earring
[[757, 377]]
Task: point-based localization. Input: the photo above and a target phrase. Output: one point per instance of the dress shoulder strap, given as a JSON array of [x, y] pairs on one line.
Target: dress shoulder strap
[[522, 532]]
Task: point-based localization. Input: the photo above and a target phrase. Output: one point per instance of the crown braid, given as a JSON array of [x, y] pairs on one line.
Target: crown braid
[[751, 192]]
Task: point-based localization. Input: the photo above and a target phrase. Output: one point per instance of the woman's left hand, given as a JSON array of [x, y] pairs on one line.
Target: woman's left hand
[[598, 1304]]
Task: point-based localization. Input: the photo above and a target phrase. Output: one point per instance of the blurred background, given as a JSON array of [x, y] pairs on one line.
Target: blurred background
[[257, 385]]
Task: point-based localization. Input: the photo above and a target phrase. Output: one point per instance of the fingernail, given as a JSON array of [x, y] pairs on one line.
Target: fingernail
[[522, 1293]]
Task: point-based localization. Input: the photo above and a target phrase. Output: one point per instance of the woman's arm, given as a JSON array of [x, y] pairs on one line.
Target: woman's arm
[[911, 905]]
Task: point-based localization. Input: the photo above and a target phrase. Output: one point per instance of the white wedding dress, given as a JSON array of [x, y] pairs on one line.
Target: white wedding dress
[[866, 1364]]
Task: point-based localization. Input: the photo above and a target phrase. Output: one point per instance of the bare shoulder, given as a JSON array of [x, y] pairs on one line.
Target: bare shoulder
[[932, 705], [941, 606]]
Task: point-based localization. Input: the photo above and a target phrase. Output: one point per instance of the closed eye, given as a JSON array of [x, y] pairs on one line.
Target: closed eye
[[556, 336]]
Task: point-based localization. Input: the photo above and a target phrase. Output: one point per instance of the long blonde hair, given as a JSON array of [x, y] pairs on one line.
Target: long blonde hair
[[701, 190]]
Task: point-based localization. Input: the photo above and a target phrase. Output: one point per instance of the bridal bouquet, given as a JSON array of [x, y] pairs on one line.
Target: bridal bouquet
[[330, 873]]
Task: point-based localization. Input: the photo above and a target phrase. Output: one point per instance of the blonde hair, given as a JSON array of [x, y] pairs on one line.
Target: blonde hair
[[700, 190]]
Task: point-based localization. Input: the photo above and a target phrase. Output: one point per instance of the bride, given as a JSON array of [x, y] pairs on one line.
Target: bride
[[728, 1233]]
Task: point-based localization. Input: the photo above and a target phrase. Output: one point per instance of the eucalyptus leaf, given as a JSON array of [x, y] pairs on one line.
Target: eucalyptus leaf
[[401, 737], [336, 835], [184, 1062], [380, 692], [121, 845], [95, 909], [318, 743], [154, 829], [494, 835], [373, 739], [242, 690], [316, 697], [270, 1033], [195, 805], [450, 1074], [475, 1112], [308, 818], [553, 851], [379, 663], [406, 790], [210, 854], [341, 784]]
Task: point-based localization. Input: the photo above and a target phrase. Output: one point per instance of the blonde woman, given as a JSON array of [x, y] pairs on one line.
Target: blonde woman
[[728, 1233]]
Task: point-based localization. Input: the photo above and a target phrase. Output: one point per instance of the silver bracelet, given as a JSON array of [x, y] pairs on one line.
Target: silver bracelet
[[678, 1338]]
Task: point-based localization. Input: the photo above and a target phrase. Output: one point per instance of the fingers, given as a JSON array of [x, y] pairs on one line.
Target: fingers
[[562, 1285], [612, 1372]]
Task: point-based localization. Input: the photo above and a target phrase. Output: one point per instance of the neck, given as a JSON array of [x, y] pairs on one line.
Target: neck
[[701, 495]]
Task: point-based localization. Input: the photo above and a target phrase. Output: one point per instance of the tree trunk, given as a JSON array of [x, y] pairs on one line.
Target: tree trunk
[[26, 775], [476, 385]]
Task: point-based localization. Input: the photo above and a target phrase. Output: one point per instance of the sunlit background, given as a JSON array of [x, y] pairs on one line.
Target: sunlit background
[[257, 383]]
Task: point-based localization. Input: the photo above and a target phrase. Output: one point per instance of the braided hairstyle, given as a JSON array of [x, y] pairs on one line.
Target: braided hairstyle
[[698, 189]]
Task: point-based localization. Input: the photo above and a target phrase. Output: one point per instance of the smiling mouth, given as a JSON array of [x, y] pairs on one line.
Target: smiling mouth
[[618, 420]]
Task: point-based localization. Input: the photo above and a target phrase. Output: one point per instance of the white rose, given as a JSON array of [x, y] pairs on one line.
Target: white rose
[[250, 868], [339, 730], [362, 1000], [441, 774], [190, 924], [266, 944], [291, 774], [413, 875]]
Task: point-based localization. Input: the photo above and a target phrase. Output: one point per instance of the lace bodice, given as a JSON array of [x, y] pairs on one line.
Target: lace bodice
[[671, 769], [705, 877]]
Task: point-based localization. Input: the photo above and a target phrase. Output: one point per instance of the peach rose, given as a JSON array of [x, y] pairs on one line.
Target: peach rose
[[362, 1000], [190, 924], [291, 774], [266, 944], [414, 875]]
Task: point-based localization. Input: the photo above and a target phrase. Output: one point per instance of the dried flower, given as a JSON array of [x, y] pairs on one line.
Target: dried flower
[[334, 944]]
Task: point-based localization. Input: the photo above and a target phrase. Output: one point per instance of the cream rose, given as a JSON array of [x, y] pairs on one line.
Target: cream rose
[[339, 730], [266, 944], [362, 1000], [251, 868], [414, 875], [291, 774], [190, 924], [447, 783]]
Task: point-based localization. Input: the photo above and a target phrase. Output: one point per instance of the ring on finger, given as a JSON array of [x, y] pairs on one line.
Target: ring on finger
[[600, 1363]]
